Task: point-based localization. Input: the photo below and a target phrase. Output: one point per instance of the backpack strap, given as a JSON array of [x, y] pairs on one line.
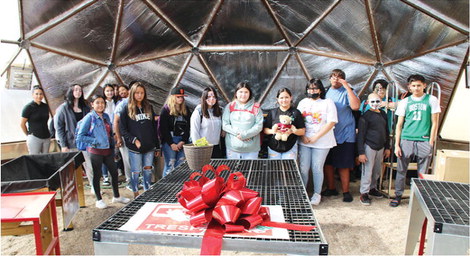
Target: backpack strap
[[232, 107], [254, 109], [200, 113]]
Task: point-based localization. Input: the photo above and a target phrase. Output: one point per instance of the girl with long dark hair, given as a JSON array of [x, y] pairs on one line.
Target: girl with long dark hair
[[206, 121]]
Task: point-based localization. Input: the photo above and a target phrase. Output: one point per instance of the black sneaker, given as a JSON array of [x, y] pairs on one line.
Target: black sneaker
[[365, 200], [106, 183], [376, 194], [347, 197], [329, 192]]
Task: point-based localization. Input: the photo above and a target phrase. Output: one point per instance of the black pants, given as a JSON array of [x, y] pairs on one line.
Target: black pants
[[96, 163], [217, 152]]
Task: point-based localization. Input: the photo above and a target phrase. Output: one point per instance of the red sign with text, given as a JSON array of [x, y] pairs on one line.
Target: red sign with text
[[172, 219]]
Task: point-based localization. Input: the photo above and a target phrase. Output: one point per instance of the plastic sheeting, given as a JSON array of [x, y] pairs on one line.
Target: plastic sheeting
[[269, 43], [30, 172]]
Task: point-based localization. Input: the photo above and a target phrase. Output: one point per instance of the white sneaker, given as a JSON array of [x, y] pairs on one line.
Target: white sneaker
[[121, 200], [316, 198], [101, 205]]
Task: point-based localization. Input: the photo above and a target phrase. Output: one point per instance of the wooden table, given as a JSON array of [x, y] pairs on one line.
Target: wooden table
[[40, 209]]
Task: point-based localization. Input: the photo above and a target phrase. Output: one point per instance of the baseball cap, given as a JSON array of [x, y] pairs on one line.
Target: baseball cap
[[178, 91]]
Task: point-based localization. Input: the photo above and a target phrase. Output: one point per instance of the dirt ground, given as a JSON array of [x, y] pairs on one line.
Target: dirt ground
[[349, 228]]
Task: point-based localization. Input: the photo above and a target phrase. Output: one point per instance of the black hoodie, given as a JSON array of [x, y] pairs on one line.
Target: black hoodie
[[143, 128]]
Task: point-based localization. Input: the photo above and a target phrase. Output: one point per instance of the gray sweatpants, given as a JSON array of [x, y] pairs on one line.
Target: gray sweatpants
[[422, 150], [37, 145], [371, 169]]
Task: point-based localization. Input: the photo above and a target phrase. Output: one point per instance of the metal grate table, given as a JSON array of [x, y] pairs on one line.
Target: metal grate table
[[278, 183], [444, 209]]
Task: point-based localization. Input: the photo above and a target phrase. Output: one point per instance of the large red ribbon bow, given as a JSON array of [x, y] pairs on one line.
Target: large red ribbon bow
[[225, 207]]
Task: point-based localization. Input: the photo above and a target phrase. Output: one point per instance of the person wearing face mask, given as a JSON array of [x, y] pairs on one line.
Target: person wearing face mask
[[320, 118], [380, 88], [206, 121], [372, 145]]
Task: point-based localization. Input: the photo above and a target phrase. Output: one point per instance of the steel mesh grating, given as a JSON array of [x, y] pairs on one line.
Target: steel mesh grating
[[450, 207], [277, 181]]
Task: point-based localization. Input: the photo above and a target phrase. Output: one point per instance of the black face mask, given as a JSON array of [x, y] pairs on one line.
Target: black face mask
[[314, 96]]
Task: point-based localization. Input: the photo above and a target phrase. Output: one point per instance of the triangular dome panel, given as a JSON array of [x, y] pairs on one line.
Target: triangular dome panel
[[447, 10], [143, 34], [320, 67], [250, 24], [159, 83], [442, 66], [258, 68], [184, 16], [57, 73], [418, 32], [347, 37], [195, 79], [297, 16], [291, 77], [48, 10], [89, 33]]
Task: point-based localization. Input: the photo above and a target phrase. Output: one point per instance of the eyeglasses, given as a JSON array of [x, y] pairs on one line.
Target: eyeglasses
[[375, 101]]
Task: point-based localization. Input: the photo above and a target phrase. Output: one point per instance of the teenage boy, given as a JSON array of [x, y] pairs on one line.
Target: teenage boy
[[341, 157], [372, 145], [416, 131]]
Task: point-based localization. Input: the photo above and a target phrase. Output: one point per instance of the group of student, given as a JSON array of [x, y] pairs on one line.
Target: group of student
[[320, 133]]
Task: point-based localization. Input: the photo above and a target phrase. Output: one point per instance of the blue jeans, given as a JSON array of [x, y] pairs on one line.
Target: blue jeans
[[312, 158], [138, 163], [238, 155], [104, 171], [172, 158], [290, 154]]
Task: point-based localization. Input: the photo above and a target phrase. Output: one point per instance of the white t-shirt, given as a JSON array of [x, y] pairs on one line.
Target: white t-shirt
[[401, 108], [110, 106], [316, 114]]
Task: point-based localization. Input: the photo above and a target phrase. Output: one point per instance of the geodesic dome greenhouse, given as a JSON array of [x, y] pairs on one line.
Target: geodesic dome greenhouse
[[269, 43]]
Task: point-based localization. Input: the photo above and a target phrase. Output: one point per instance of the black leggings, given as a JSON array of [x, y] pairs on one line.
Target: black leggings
[[96, 163]]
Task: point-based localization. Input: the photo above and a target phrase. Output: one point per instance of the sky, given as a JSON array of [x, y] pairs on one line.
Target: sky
[[9, 30]]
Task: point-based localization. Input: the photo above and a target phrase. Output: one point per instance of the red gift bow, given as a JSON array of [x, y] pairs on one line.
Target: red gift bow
[[225, 207]]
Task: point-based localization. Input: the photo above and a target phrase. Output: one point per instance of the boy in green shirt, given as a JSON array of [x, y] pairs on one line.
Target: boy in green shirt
[[416, 131]]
